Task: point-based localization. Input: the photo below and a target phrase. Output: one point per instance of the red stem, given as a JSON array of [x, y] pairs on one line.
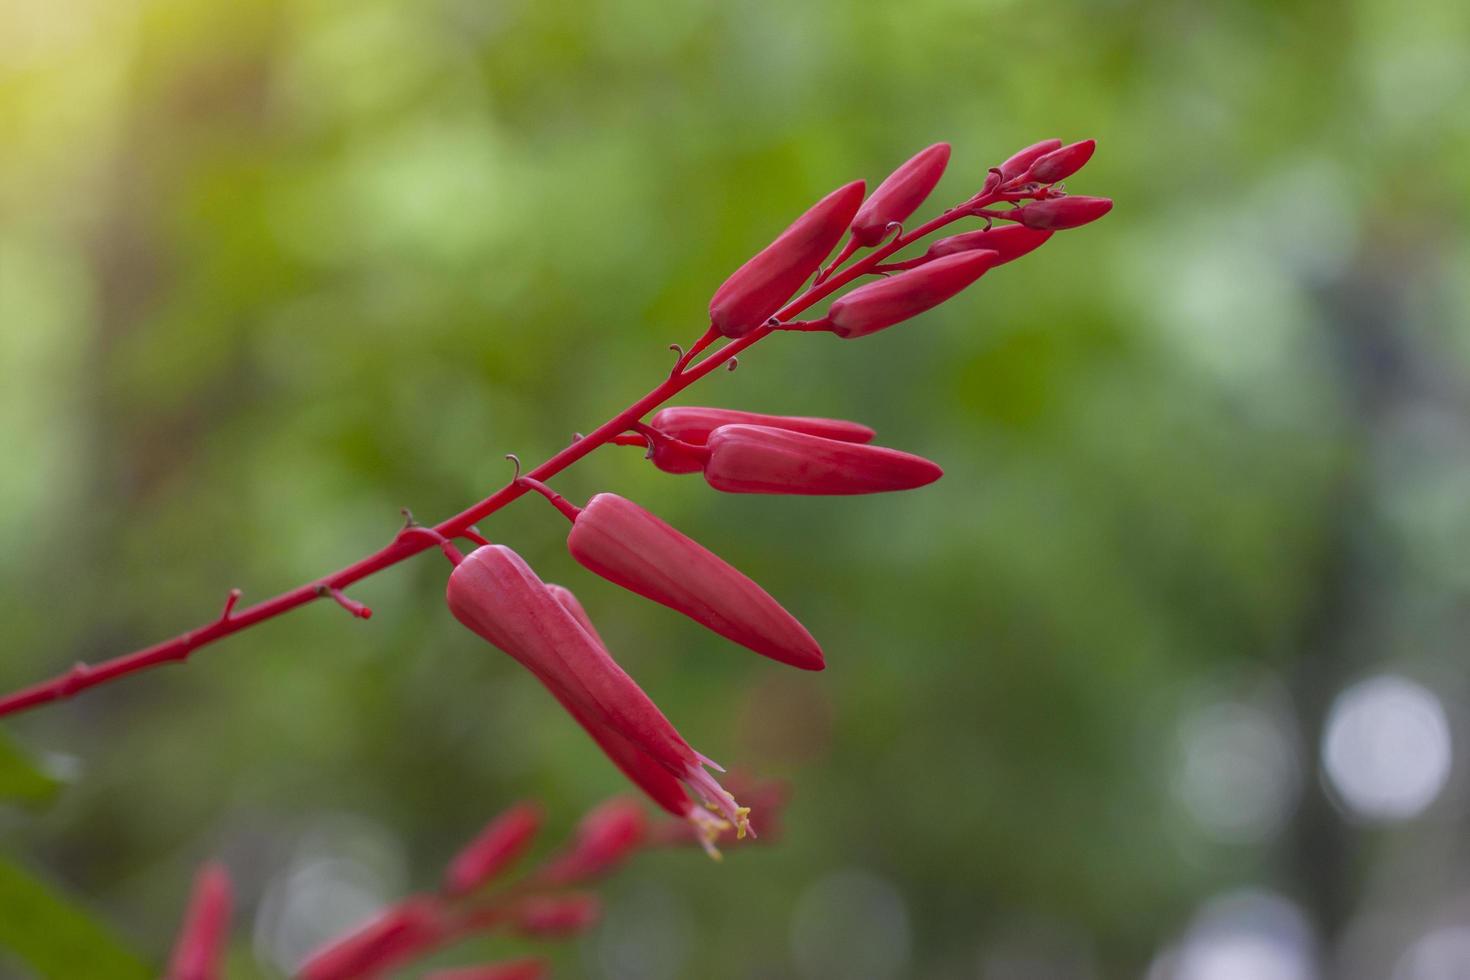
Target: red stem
[[407, 544]]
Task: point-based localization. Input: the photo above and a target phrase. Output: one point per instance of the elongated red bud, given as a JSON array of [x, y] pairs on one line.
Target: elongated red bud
[[529, 968], [900, 194], [1062, 163], [497, 595], [1008, 242], [199, 952], [877, 305], [605, 837], [496, 848], [627, 545], [762, 285], [1022, 160], [1057, 213], [556, 916], [755, 459], [391, 938], [694, 424]]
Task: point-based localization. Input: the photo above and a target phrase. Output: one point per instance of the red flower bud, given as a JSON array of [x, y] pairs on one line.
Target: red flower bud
[[199, 952], [759, 287], [1063, 163], [900, 194], [756, 459], [556, 916], [393, 937], [1008, 242], [1056, 213], [604, 838], [1022, 160], [503, 840], [877, 305], [692, 424], [627, 545], [497, 595], [529, 968]]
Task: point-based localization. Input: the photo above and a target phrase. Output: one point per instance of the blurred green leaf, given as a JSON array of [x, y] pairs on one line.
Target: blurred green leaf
[[54, 936], [20, 780]]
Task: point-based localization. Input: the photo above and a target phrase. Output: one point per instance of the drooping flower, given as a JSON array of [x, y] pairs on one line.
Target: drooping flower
[[628, 546], [497, 595]]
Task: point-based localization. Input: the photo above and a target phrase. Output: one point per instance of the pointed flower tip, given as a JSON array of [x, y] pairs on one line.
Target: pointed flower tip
[[900, 194], [759, 288]]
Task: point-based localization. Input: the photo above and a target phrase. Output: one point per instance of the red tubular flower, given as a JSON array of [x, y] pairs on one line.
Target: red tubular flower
[[497, 595], [756, 459], [641, 768], [759, 287], [877, 305], [1008, 242], [502, 841], [1057, 213], [628, 546], [1019, 163], [1064, 162], [606, 836], [900, 194], [556, 916], [199, 952], [392, 938], [529, 968], [694, 424]]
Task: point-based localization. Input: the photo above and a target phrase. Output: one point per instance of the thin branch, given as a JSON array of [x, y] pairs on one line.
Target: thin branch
[[407, 543]]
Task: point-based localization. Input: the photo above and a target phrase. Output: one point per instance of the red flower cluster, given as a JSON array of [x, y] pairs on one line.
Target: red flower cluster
[[474, 899], [497, 595]]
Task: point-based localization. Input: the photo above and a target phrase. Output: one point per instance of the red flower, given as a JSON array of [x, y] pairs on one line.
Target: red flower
[[756, 459], [556, 916], [762, 285], [878, 305], [497, 595], [1057, 213], [694, 424], [502, 841], [199, 952], [1021, 161], [627, 545], [900, 194], [393, 937], [1008, 242], [1062, 163]]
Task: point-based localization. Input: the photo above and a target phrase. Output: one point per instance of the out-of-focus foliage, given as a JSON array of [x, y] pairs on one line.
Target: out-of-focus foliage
[[270, 271]]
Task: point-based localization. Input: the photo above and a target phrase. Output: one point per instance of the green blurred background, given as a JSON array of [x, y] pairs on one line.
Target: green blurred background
[[1165, 677]]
